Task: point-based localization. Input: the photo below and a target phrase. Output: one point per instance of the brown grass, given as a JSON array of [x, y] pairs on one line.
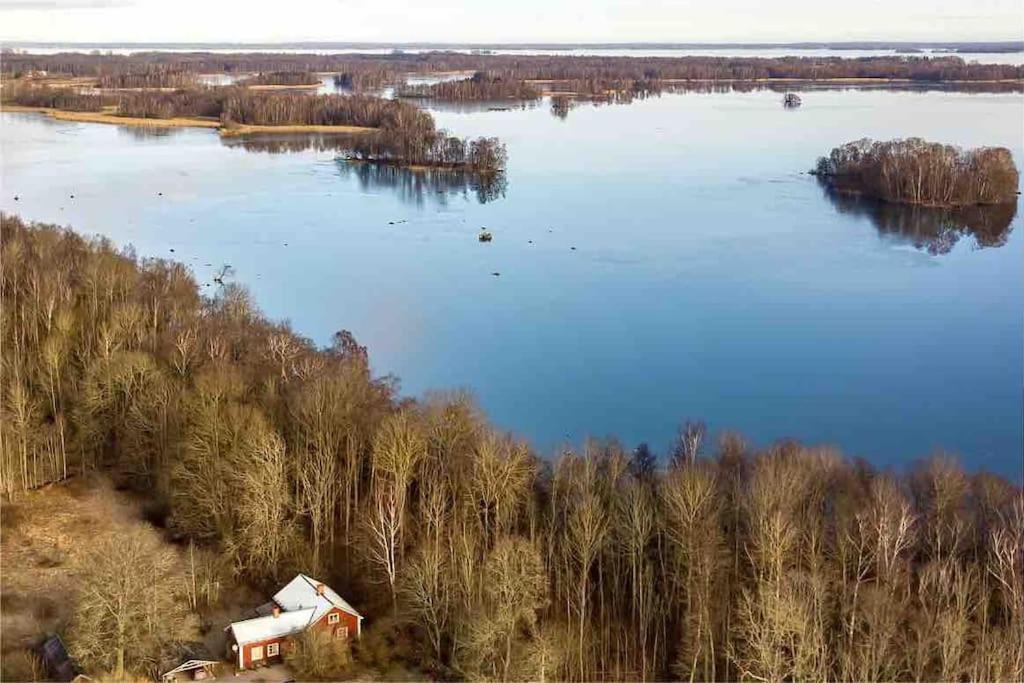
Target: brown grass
[[46, 535], [108, 116]]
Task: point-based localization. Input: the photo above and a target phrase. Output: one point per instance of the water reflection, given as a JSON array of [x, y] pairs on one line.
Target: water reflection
[[930, 229], [718, 87], [413, 186], [416, 186], [143, 133], [560, 106], [471, 107], [277, 143]]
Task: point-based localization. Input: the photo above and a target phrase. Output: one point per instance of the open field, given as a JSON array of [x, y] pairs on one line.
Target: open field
[[47, 536]]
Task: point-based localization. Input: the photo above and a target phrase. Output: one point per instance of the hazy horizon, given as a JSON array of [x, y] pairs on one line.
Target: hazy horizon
[[529, 21]]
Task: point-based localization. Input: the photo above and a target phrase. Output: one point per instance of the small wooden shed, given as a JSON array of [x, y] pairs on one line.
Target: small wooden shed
[[197, 664]]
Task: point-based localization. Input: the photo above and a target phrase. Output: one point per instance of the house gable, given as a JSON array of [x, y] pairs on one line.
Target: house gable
[[304, 603], [339, 623]]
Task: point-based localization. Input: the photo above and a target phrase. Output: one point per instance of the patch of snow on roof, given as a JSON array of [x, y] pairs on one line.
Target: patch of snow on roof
[[264, 628], [300, 593]]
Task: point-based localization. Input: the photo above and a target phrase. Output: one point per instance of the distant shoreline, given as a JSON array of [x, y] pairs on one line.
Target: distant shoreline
[[986, 46], [106, 117], [234, 130]]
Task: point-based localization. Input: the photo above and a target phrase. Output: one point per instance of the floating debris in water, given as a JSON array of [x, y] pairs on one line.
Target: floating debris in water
[[485, 236]]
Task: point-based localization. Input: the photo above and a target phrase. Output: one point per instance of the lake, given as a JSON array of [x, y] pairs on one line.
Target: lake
[[656, 262]]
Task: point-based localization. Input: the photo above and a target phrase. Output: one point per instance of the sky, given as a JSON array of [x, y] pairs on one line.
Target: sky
[[482, 21]]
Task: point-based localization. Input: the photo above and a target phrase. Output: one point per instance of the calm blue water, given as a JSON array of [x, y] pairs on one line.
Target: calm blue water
[[710, 279]]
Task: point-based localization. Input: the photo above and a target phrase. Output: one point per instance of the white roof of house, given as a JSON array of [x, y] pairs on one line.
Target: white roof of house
[[300, 593], [265, 628]]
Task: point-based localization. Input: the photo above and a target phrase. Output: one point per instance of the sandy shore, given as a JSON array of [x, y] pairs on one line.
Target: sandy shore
[[112, 118], [183, 122]]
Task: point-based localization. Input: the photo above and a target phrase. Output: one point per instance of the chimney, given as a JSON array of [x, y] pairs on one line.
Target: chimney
[[320, 588], [276, 611]]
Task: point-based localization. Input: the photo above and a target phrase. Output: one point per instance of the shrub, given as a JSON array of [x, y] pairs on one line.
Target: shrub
[[316, 656]]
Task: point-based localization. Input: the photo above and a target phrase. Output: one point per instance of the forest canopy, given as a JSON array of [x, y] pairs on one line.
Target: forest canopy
[[915, 171], [281, 78], [590, 77], [470, 554]]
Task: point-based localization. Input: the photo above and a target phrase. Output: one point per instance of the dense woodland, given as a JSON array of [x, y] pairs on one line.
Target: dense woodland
[[471, 555], [914, 171], [586, 76], [68, 99], [479, 87], [403, 135], [274, 109], [430, 148], [149, 78], [157, 104], [282, 78]]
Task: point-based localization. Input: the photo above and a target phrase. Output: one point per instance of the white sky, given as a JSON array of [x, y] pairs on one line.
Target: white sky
[[509, 20]]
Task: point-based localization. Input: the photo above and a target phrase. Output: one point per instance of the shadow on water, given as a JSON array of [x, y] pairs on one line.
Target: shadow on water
[[414, 186], [277, 143], [143, 133], [419, 185], [930, 229]]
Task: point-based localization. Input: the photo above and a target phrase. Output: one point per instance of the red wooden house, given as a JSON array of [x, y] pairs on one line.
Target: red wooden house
[[303, 604]]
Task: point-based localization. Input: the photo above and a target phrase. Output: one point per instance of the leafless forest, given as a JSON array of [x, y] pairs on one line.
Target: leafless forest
[[479, 86], [586, 76], [149, 78], [914, 171], [282, 78], [67, 99], [403, 135], [471, 555]]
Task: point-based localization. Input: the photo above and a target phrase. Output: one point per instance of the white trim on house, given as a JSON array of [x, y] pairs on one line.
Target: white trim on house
[[303, 602]]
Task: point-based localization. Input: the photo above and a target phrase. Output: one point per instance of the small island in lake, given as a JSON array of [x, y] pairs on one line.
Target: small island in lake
[[915, 171]]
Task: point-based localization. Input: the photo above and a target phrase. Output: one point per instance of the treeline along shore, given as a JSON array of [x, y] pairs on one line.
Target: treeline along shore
[[592, 77], [377, 129], [915, 171], [471, 556]]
